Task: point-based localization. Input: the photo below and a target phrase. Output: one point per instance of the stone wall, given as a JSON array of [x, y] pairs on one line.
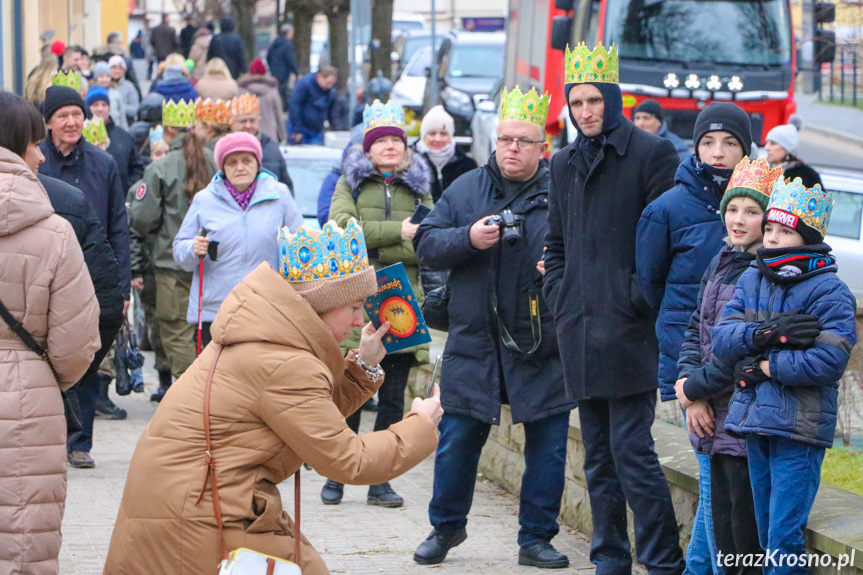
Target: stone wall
[[835, 524]]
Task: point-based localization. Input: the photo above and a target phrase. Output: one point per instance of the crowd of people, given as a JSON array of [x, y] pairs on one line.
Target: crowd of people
[[622, 263]]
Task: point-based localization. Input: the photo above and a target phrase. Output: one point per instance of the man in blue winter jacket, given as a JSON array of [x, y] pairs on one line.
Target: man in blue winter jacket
[[311, 103]]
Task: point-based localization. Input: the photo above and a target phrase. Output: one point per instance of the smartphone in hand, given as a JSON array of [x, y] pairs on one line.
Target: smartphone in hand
[[420, 212]]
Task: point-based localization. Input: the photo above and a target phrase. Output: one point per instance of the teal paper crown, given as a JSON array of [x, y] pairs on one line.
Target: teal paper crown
[[812, 205], [379, 115], [157, 136], [309, 255]]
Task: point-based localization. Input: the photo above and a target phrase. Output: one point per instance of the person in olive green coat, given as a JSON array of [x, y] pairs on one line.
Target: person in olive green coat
[[382, 183], [158, 205]]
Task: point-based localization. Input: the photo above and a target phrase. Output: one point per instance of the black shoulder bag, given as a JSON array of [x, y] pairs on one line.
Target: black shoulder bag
[[73, 424]]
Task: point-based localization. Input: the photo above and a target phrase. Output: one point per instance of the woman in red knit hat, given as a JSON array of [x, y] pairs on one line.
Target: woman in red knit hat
[[266, 88]]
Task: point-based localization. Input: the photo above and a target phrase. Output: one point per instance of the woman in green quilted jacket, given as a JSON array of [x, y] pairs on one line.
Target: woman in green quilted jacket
[[381, 185]]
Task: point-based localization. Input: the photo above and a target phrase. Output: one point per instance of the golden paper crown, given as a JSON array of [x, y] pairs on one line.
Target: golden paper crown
[[530, 107], [245, 104], [178, 114], [95, 131], [812, 205], [378, 115], [582, 65], [70, 79], [755, 175], [310, 255], [213, 111]]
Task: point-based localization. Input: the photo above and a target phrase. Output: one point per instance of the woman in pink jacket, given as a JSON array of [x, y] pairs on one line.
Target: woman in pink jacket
[[45, 285]]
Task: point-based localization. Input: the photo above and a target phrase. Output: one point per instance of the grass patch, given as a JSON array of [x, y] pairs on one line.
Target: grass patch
[[844, 468], [836, 102]]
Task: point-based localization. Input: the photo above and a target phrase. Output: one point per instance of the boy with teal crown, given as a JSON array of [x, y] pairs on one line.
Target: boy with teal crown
[[789, 329]]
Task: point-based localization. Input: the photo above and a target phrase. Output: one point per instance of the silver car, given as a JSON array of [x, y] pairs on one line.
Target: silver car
[[308, 166], [845, 231]]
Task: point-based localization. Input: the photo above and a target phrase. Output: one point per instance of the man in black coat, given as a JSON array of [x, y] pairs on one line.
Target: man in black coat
[[502, 347], [282, 60], [187, 36], [246, 117], [599, 186], [122, 148], [163, 39], [228, 46]]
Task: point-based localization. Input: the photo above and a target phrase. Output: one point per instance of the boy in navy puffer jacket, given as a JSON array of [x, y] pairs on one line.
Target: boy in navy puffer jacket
[[706, 383], [789, 329]]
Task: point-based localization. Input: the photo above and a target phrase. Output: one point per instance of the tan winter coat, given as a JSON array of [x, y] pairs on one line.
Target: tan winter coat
[[44, 282], [217, 87], [279, 398], [198, 54]]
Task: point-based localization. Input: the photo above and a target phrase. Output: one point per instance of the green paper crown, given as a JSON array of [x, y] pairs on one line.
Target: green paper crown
[[178, 114], [95, 131], [530, 107], [601, 65], [70, 79]]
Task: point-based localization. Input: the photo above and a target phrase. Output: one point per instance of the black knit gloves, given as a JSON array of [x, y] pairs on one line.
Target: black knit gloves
[[747, 373], [797, 331]]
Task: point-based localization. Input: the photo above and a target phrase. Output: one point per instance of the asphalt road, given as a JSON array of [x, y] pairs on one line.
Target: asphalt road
[[830, 152]]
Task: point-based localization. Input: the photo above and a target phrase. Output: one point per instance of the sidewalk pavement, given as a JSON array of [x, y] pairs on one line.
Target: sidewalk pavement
[[352, 537], [834, 120]]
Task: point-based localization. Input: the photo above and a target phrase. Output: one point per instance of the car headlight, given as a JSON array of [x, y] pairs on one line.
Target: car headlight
[[692, 82], [457, 100], [714, 84]]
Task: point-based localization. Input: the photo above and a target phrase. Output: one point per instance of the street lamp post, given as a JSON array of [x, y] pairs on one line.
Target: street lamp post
[[433, 75]]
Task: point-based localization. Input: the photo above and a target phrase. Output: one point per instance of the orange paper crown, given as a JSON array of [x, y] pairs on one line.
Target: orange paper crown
[[755, 175], [213, 111], [245, 104]]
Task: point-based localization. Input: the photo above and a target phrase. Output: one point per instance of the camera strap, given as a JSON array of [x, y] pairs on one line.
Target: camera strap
[[535, 324]]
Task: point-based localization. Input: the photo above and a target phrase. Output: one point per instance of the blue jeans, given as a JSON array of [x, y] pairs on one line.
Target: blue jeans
[[310, 138], [83, 396], [701, 553], [621, 467], [785, 475], [461, 441]]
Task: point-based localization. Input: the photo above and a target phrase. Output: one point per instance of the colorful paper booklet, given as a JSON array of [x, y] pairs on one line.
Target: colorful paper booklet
[[396, 303]]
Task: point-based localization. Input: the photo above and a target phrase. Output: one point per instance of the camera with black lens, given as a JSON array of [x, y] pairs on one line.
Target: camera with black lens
[[511, 226]]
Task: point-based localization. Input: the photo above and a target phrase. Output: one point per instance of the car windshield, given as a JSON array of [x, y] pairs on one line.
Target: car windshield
[[414, 44], [418, 65], [407, 25], [484, 61], [308, 174], [739, 32]]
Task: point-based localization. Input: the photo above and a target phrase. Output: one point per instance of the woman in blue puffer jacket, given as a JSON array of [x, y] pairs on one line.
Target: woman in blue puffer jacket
[[242, 209]]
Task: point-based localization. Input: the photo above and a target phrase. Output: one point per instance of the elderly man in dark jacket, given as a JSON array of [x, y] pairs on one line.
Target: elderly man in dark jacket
[[228, 46], [502, 347], [311, 106], [599, 186], [72, 159]]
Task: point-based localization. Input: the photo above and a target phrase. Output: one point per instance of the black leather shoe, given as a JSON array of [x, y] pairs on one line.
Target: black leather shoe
[[384, 496], [434, 549], [332, 492], [542, 555]]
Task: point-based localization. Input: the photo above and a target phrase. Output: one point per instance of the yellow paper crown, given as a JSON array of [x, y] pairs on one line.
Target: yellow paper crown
[[245, 104], [378, 115], [600, 65], [812, 205], [530, 107], [178, 114], [95, 131], [213, 111], [70, 79], [310, 255]]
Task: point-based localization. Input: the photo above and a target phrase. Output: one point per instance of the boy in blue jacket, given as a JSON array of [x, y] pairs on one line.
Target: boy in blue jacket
[[789, 329]]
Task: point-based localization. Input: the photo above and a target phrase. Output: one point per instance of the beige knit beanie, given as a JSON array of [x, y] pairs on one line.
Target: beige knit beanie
[[329, 268]]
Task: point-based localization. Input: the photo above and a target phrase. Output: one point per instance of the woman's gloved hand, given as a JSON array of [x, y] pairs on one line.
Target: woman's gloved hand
[[796, 331]]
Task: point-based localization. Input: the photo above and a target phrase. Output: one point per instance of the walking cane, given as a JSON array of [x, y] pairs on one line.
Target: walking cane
[[202, 232]]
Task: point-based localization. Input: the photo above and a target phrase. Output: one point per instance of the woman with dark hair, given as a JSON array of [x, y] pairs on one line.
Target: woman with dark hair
[[158, 205], [46, 288]]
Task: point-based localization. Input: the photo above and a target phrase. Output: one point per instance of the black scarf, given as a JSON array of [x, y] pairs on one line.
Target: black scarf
[[718, 178], [794, 265]]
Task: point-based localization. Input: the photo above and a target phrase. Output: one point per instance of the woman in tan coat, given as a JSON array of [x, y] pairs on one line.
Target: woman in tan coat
[[217, 83], [280, 392], [45, 285]]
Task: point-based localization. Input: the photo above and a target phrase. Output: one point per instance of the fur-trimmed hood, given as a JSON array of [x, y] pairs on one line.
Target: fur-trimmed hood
[[413, 172]]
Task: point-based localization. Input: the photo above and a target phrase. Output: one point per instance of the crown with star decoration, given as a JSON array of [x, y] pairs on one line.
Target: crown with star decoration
[[178, 114], [95, 131], [530, 107], [379, 115], [754, 175], [245, 104], [311, 256], [70, 79], [812, 205], [600, 65], [212, 111]]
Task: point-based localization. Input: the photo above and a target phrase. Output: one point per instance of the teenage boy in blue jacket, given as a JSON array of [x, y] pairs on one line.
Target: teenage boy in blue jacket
[[790, 329]]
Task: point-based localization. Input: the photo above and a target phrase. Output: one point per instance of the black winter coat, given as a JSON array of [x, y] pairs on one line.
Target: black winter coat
[[479, 373], [610, 347], [94, 172], [457, 165], [229, 47], [71, 205], [282, 59], [273, 161], [130, 167]]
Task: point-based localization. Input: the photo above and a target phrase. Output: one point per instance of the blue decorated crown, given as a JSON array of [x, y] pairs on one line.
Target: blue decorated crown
[[157, 136], [379, 115], [812, 205], [310, 255]]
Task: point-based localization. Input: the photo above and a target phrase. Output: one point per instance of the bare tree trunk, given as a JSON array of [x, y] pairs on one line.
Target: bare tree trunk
[[337, 17], [303, 14], [382, 30], [244, 15]]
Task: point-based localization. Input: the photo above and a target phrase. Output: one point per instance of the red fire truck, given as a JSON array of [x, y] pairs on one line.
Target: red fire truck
[[682, 53]]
